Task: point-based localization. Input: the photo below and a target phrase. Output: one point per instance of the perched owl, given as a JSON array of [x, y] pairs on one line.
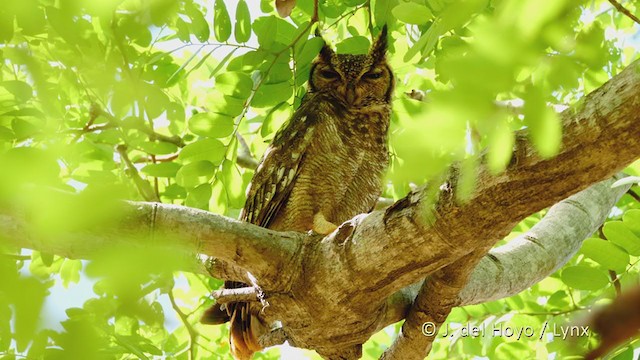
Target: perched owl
[[325, 166]]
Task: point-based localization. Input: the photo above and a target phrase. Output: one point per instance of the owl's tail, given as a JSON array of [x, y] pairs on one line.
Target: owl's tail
[[244, 331]]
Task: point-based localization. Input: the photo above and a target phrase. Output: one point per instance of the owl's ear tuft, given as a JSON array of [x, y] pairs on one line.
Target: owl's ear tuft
[[326, 53], [379, 48]]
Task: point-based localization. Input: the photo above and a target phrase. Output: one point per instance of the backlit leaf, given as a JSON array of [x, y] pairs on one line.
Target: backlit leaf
[[211, 150], [618, 233], [242, 30], [221, 21], [584, 278], [211, 125], [412, 13]]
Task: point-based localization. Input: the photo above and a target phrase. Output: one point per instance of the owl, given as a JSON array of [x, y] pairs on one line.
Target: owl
[[325, 166]]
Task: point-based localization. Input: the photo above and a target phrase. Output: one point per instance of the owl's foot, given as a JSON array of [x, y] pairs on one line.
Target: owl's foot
[[322, 226]]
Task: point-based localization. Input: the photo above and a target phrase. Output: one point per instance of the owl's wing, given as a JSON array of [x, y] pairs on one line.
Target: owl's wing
[[279, 167]]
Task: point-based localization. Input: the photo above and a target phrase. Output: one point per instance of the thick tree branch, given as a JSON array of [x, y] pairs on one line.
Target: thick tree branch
[[259, 251], [506, 270]]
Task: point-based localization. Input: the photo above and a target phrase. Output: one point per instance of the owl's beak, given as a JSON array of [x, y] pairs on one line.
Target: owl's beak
[[351, 93]]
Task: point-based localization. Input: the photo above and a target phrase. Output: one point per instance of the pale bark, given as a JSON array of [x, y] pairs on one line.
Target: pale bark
[[508, 269], [331, 294]]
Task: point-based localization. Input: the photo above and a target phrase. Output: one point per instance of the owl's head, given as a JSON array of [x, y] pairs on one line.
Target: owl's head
[[358, 80]]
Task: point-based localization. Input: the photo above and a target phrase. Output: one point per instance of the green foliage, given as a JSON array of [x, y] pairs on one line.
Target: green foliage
[[124, 99]]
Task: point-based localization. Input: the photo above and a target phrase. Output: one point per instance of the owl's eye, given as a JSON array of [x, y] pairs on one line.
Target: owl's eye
[[372, 75], [328, 74]]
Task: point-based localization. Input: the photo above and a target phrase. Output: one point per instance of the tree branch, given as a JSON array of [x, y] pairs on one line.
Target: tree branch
[[505, 271], [624, 10], [249, 247]]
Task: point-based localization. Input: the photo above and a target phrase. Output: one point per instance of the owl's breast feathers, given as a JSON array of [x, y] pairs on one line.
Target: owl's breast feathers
[[328, 159]]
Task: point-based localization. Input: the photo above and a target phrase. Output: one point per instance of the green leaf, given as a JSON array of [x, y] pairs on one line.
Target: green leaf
[[243, 22], [225, 104], [501, 142], [247, 62], [234, 83], [70, 272], [158, 147], [199, 26], [233, 184], [280, 72], [221, 21], [211, 125], [266, 28], [631, 219], [275, 118], [163, 169], [511, 350], [382, 12], [6, 26], [605, 253], [211, 150], [545, 128], [199, 197], [195, 173], [174, 191], [309, 51], [353, 45], [426, 43], [618, 233], [626, 354], [222, 63], [272, 94], [183, 32], [412, 13], [20, 89], [584, 278]]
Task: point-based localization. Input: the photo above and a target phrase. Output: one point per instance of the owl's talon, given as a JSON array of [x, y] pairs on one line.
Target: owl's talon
[[322, 226]]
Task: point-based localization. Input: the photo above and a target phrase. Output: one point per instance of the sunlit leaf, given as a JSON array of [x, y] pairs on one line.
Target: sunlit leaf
[[618, 233], [221, 21], [242, 30], [412, 13], [164, 169], [605, 253], [353, 45], [584, 277], [211, 150], [234, 83], [211, 125], [195, 173]]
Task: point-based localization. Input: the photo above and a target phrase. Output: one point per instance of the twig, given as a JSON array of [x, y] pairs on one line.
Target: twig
[[245, 294], [612, 274], [615, 280], [16, 257], [164, 158], [634, 195], [94, 112], [553, 313], [193, 334], [624, 10], [143, 187], [265, 74]]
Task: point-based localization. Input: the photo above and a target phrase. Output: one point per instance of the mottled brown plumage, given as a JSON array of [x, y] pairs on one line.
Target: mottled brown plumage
[[326, 165]]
